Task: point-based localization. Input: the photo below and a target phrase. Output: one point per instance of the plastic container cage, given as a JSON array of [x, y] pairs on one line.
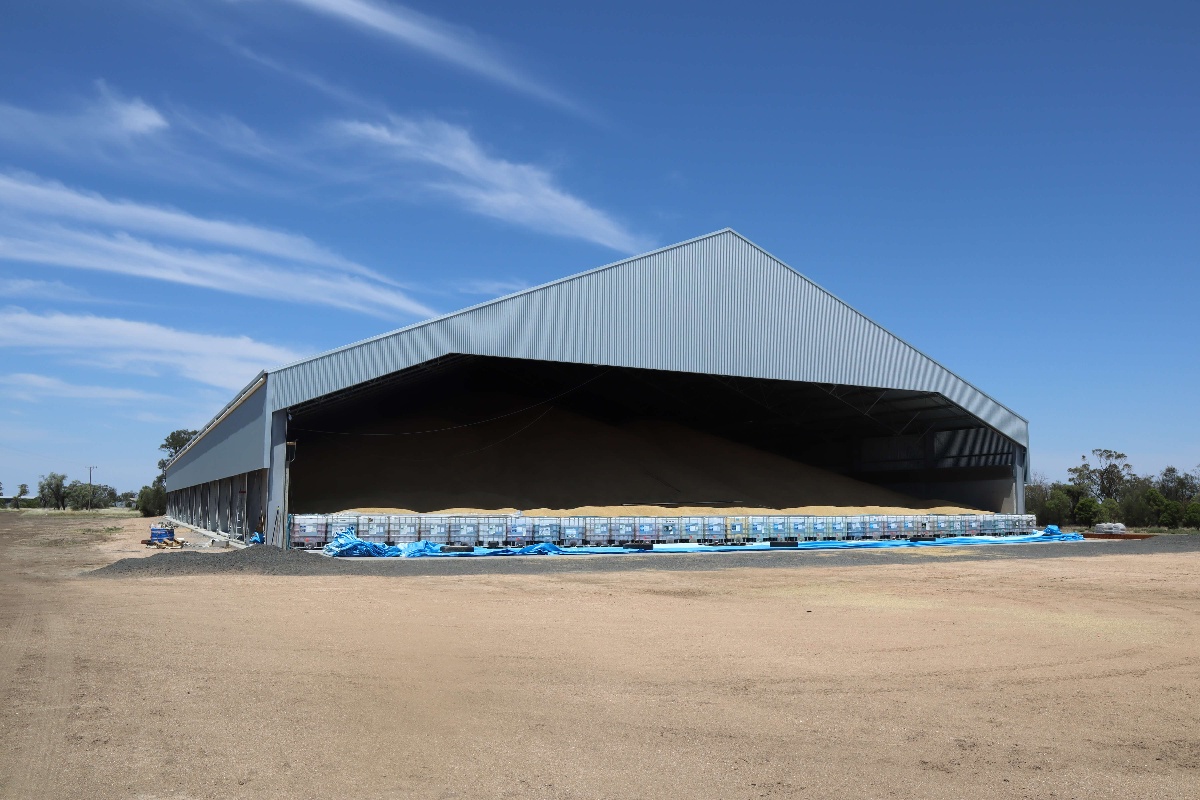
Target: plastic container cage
[[315, 530]]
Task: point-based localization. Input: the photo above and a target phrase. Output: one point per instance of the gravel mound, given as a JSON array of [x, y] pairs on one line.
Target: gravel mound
[[251, 560]]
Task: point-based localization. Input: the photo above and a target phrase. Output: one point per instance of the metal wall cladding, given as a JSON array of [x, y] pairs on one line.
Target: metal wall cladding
[[238, 444], [717, 304]]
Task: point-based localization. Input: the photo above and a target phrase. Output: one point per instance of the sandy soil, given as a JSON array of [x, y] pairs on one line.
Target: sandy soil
[[1058, 677]]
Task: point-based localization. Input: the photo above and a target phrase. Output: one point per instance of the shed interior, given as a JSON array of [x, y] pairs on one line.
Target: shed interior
[[488, 433]]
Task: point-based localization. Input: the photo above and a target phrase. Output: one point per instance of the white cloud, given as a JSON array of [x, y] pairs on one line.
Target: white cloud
[[109, 120], [228, 362], [523, 194], [58, 291], [30, 387], [29, 194], [32, 231], [438, 39]]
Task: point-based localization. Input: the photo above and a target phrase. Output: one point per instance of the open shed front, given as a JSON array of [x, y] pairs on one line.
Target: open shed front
[[499, 433]]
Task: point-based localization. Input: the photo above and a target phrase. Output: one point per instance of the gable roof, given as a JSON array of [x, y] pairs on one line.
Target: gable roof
[[717, 304]]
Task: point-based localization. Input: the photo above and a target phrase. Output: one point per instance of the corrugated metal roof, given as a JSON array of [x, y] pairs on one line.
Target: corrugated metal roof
[[717, 304]]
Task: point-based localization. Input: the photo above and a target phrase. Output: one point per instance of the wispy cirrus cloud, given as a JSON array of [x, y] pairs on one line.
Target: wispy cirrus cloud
[[522, 194], [47, 223], [29, 194], [433, 37], [32, 288], [106, 121], [32, 388], [227, 362]]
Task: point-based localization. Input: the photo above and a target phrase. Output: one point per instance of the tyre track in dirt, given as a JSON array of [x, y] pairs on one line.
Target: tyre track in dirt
[[39, 746]]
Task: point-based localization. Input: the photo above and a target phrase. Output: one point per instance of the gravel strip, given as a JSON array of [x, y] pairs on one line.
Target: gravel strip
[[272, 561]]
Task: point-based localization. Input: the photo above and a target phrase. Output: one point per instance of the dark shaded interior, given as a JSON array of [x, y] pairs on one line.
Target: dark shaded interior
[[483, 432]]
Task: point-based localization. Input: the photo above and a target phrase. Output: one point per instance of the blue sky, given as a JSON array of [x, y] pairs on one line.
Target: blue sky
[[192, 191]]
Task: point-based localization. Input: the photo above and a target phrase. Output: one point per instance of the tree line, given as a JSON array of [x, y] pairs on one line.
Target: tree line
[[1109, 490], [54, 492]]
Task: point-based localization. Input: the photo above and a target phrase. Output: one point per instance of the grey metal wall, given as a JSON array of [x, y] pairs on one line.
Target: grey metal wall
[[232, 505], [238, 444], [716, 305]]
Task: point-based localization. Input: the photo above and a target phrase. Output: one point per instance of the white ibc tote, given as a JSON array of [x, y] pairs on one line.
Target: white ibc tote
[[837, 527], [623, 529], [519, 531], [404, 529], [856, 527], [777, 527], [599, 530], [757, 529], [714, 529], [373, 529], [464, 530], [435, 529], [820, 528], [493, 531], [735, 529], [308, 530], [573, 531]]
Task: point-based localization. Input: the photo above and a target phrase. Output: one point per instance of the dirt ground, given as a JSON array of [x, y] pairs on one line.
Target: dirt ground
[[928, 677]]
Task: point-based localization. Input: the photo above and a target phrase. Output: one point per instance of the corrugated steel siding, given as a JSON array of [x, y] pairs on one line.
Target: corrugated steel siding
[[237, 445], [716, 305]]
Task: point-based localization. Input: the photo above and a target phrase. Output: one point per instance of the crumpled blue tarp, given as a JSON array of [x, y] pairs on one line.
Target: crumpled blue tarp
[[346, 544]]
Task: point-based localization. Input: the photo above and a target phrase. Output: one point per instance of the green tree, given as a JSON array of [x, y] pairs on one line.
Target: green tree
[[1157, 504], [1134, 501], [1177, 485], [22, 491], [175, 441], [1191, 515], [1057, 510], [1171, 515], [1087, 511], [52, 491], [81, 496], [1106, 479], [1110, 511], [152, 501]]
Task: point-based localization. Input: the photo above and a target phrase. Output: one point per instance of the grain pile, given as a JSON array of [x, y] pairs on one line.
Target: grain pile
[[566, 464]]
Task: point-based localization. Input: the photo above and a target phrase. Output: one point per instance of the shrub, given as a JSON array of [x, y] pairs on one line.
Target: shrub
[[152, 501], [1057, 509], [1171, 515], [1191, 515], [1087, 511]]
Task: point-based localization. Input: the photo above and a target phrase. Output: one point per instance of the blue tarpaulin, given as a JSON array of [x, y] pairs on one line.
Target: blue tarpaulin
[[346, 544]]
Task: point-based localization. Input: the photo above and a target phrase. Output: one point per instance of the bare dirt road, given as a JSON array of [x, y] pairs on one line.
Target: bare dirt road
[[934, 677]]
